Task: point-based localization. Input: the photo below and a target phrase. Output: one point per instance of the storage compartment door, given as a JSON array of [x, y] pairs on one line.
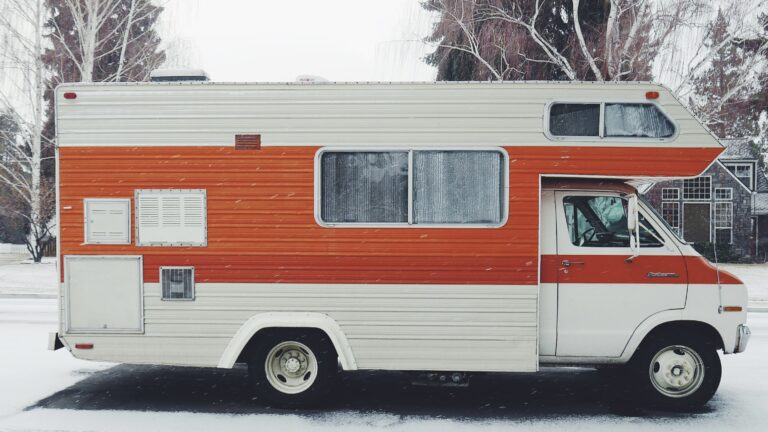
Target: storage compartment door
[[104, 294]]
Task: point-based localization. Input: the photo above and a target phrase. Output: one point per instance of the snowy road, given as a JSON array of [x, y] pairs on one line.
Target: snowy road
[[42, 390]]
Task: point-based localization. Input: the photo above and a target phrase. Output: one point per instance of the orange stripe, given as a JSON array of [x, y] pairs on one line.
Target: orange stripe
[[261, 226], [615, 269]]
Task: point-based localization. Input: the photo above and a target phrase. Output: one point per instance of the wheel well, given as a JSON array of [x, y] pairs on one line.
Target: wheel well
[[697, 328], [253, 342]]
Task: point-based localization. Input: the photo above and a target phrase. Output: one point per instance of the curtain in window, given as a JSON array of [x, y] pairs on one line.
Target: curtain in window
[[457, 187], [364, 187], [636, 120], [574, 120]]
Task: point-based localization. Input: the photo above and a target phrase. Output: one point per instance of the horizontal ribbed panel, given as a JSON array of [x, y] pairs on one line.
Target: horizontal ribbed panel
[[470, 114]]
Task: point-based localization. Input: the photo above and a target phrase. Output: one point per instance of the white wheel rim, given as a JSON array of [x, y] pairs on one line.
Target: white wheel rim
[[677, 371], [291, 367]]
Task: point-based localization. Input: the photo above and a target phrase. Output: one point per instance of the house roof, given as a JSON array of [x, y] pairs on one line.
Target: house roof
[[738, 149]]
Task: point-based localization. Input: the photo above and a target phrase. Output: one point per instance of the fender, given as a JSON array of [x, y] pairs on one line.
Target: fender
[[646, 326], [289, 319]]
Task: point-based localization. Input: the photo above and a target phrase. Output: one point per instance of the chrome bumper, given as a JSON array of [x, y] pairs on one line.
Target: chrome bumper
[[743, 338]]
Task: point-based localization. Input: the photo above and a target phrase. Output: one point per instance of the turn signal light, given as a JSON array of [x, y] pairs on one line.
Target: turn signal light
[[731, 308], [84, 346], [70, 95], [652, 95]]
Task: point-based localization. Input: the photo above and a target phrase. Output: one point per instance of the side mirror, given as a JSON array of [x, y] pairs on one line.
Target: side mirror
[[632, 214], [633, 225]]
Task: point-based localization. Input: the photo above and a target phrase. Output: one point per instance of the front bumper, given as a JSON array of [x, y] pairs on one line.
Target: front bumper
[[742, 339]]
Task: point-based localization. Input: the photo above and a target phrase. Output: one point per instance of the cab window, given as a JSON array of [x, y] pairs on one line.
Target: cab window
[[601, 221]]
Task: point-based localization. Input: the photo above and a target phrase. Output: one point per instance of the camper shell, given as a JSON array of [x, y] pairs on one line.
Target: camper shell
[[416, 226]]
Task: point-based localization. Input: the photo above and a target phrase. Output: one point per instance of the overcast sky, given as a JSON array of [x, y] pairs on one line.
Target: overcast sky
[[270, 40]]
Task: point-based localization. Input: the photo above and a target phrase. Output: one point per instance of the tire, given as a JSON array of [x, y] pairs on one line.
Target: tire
[[293, 367], [674, 373]]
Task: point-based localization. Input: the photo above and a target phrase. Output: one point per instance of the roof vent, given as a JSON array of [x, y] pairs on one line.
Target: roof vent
[[310, 79], [166, 75]]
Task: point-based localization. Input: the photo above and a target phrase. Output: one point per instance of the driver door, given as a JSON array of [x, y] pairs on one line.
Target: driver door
[[602, 296]]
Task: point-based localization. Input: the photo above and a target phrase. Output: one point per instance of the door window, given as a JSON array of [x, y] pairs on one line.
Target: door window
[[601, 221]]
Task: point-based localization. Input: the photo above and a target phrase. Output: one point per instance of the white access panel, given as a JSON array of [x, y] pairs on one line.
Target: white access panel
[[107, 221], [104, 294]]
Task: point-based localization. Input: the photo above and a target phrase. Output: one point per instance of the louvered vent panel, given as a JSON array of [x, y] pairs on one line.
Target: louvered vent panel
[[171, 217]]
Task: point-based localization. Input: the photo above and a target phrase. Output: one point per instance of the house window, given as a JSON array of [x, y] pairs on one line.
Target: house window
[[415, 187], [723, 193], [107, 221], [672, 194], [744, 172], [171, 217], [724, 222], [609, 120], [177, 283], [670, 211], [698, 188]]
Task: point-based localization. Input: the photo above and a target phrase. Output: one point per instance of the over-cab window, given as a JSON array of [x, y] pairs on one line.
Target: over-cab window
[[601, 221], [412, 187], [609, 120]]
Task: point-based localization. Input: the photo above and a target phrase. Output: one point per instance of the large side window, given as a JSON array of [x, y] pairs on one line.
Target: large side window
[[364, 187], [457, 187], [414, 187], [601, 221], [609, 120]]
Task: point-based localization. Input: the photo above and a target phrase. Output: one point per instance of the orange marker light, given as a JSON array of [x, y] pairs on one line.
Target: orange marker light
[[652, 95], [731, 308]]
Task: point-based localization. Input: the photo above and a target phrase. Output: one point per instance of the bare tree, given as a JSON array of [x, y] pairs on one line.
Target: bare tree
[[24, 84], [95, 30], [617, 41]]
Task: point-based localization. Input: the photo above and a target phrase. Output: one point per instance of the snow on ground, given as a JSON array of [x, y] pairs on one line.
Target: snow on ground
[[755, 276], [21, 277], [28, 371]]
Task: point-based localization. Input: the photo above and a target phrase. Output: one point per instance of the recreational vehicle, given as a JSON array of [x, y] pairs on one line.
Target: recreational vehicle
[[307, 229]]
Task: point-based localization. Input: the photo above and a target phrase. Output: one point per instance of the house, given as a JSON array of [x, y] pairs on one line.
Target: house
[[727, 204]]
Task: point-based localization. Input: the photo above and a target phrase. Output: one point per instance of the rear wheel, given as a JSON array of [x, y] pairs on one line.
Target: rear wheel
[[670, 373], [293, 367]]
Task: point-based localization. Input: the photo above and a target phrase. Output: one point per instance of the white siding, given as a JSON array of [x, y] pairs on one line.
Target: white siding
[[376, 114], [397, 327]]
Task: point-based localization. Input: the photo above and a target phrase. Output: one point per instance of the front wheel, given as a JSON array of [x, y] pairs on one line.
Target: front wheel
[[673, 374]]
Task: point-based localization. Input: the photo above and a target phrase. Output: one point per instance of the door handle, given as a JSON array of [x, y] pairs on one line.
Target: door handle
[[662, 275], [568, 263]]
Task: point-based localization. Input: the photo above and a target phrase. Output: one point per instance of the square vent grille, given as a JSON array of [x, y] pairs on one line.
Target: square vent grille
[[178, 283]]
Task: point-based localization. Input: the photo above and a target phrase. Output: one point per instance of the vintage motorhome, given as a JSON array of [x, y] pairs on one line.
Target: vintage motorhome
[[434, 227]]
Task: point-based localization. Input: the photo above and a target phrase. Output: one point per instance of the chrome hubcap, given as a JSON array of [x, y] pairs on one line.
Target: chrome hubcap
[[291, 367], [677, 371]]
